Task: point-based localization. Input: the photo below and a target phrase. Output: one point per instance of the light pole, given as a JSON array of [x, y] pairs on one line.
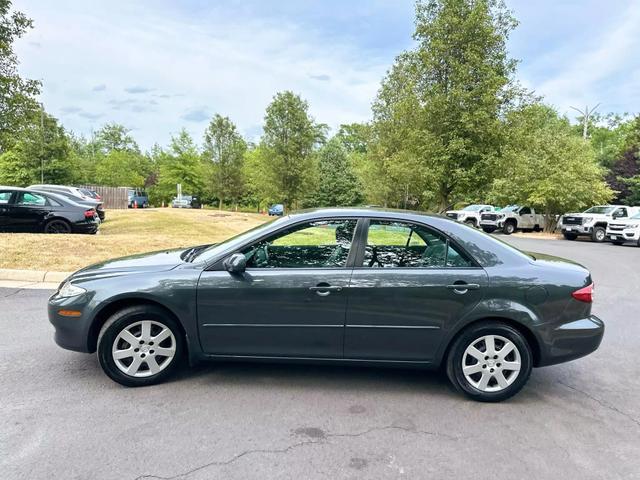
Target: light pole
[[42, 149]]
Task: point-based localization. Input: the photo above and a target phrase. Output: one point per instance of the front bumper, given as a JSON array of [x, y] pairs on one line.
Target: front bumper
[[72, 333], [492, 223], [571, 340], [628, 235], [577, 229]]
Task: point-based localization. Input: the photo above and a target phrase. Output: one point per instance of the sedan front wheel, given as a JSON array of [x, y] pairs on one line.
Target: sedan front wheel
[[139, 346], [489, 361]]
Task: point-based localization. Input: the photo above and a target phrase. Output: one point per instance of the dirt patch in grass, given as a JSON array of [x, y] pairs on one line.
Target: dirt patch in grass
[[126, 232]]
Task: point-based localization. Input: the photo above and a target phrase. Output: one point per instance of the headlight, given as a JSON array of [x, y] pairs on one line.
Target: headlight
[[501, 215], [586, 220], [633, 226], [69, 290]]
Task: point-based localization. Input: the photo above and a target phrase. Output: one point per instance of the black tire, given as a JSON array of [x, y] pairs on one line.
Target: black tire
[[470, 222], [470, 336], [489, 229], [57, 225], [617, 242], [598, 235], [509, 228], [129, 317], [537, 228], [570, 236]]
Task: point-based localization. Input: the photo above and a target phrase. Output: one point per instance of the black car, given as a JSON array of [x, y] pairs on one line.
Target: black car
[[25, 210], [339, 286], [73, 194]]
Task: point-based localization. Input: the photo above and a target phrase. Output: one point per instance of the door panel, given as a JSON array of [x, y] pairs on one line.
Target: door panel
[[401, 314], [273, 312]]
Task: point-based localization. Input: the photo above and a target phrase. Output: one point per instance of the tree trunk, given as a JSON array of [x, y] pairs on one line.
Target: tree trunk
[[220, 203]]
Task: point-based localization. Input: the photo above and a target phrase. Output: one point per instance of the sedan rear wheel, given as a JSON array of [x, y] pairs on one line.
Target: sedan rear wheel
[[489, 361], [139, 346], [57, 226]]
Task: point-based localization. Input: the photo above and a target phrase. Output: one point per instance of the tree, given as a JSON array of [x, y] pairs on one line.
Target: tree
[[40, 154], [225, 148], [114, 136], [180, 163], [626, 166], [17, 95], [439, 109], [290, 135], [547, 166], [337, 183], [120, 168]]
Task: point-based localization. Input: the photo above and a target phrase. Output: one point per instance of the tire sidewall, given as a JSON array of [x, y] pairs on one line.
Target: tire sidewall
[[595, 233], [121, 320], [509, 228], [454, 360]]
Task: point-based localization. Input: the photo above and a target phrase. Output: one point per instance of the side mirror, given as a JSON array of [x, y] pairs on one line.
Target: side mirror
[[236, 263]]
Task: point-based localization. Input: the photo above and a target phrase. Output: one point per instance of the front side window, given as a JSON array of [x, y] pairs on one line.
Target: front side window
[[525, 211], [398, 244], [620, 213], [5, 196], [31, 199], [321, 244]]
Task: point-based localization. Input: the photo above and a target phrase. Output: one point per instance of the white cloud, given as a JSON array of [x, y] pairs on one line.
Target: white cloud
[[109, 59], [600, 70]]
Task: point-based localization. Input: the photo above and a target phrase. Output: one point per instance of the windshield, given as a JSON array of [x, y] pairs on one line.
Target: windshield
[[209, 253], [602, 210], [472, 208], [510, 208], [636, 217]]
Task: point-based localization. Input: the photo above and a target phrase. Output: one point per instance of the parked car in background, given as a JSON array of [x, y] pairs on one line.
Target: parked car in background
[[511, 219], [91, 193], [624, 230], [593, 222], [77, 192], [470, 214], [137, 198], [88, 202], [276, 210], [27, 210], [353, 285], [185, 201]]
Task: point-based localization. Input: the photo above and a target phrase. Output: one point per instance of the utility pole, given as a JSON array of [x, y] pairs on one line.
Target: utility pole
[[42, 149], [586, 114]]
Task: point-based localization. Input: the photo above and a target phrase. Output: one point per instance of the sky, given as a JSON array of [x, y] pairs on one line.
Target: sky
[[157, 66]]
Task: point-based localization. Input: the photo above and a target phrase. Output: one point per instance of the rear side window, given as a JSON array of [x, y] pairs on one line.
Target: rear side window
[[54, 202], [399, 244], [5, 197], [31, 199]]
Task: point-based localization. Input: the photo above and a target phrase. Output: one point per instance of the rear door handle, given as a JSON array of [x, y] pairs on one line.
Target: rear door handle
[[325, 289], [461, 288]]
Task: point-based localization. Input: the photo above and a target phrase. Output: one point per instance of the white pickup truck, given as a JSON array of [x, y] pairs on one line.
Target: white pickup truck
[[511, 219], [470, 214], [624, 230], [593, 222]]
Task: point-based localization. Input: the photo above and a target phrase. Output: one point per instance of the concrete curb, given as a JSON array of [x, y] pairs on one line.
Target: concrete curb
[[32, 275]]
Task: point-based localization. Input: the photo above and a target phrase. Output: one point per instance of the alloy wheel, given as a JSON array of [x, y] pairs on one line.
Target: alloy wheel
[[491, 363], [144, 348], [58, 226]]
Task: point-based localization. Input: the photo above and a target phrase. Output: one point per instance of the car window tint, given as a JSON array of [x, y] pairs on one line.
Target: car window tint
[[27, 198], [310, 245], [397, 244], [525, 211], [5, 197], [54, 202]]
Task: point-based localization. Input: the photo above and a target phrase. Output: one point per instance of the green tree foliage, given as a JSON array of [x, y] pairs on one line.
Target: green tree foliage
[[17, 95], [180, 163], [224, 149], [547, 166], [120, 168], [290, 135], [437, 118], [114, 136], [337, 182], [41, 153]]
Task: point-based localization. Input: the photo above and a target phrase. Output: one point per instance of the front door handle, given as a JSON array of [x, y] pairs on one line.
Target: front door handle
[[324, 289], [462, 287]]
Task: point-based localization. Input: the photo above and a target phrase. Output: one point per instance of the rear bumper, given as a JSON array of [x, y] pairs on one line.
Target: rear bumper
[[571, 340], [85, 227]]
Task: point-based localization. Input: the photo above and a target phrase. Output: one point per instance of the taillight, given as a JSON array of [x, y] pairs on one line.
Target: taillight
[[89, 213], [584, 294]]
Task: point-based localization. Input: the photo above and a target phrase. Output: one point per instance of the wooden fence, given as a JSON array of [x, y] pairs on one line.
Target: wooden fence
[[112, 197]]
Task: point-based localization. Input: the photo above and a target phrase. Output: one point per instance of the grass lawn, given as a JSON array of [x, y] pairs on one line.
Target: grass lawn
[[125, 232]]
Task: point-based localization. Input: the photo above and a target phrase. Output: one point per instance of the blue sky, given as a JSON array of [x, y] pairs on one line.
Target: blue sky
[[157, 66]]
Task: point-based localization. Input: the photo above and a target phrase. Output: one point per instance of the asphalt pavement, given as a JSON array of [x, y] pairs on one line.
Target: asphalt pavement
[[61, 417]]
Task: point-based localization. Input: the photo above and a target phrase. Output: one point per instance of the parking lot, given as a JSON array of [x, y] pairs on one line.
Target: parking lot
[[61, 417]]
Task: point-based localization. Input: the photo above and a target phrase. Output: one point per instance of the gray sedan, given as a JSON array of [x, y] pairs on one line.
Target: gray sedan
[[342, 286]]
